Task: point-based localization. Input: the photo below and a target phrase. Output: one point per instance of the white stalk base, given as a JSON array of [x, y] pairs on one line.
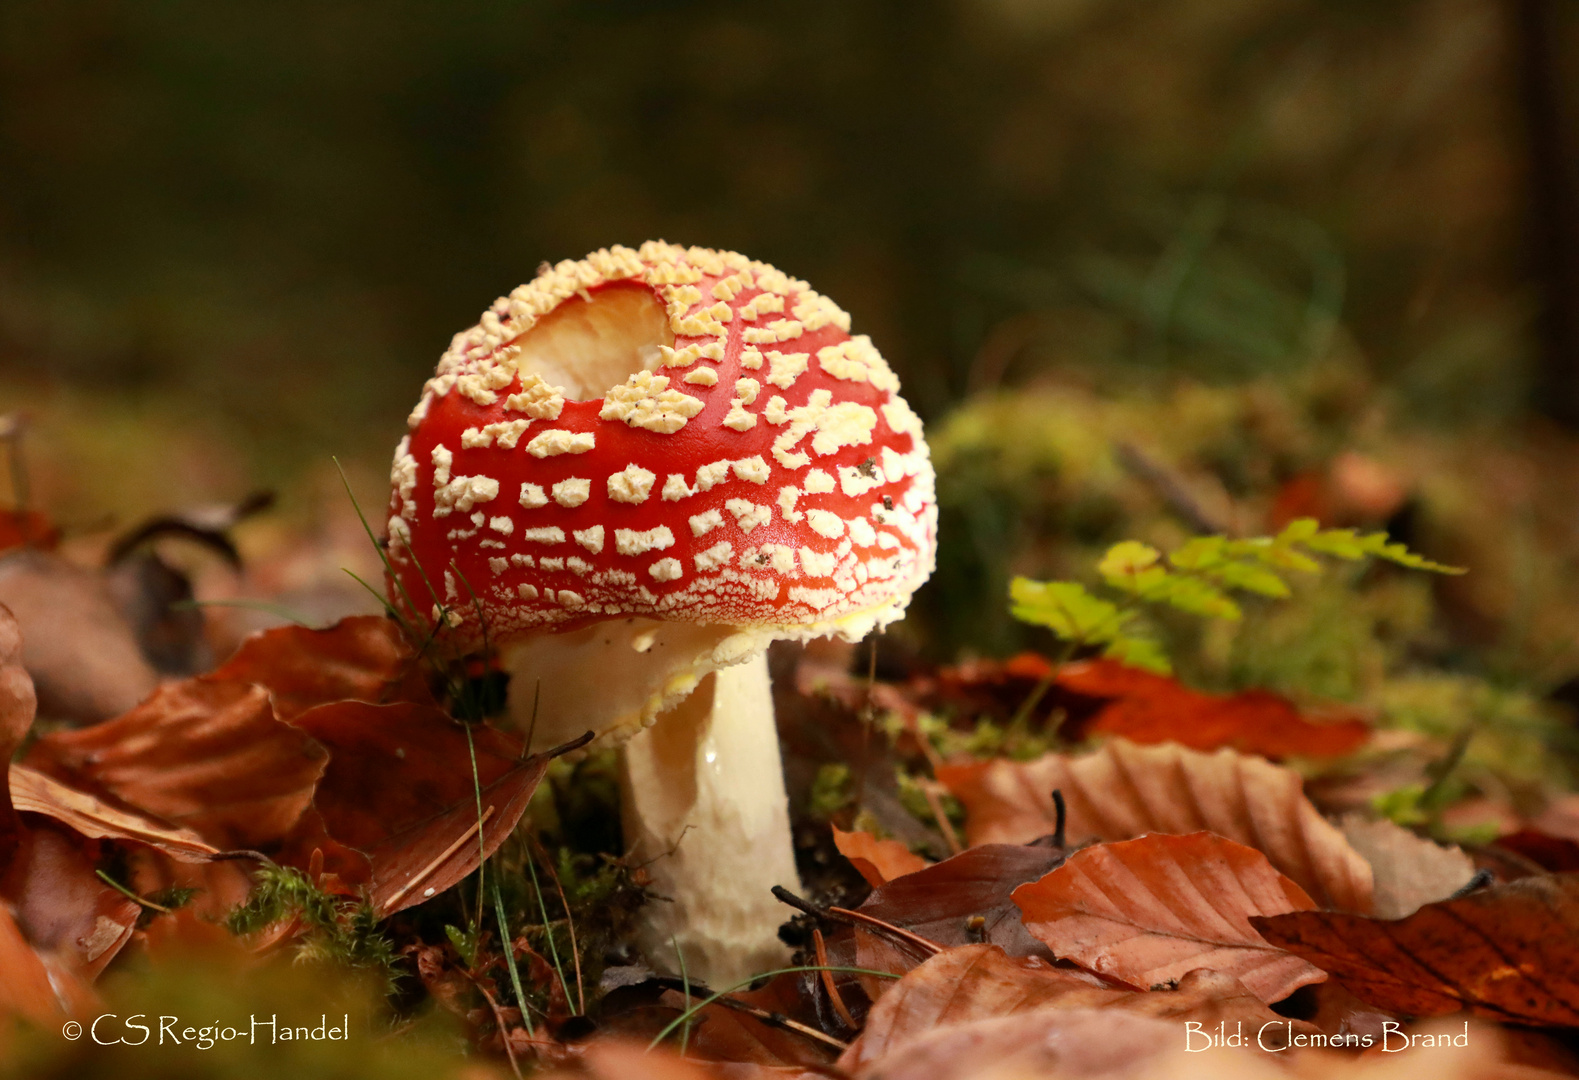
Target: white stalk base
[[704, 810]]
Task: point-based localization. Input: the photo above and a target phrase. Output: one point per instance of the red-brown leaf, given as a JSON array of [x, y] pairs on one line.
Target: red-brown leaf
[[1510, 952], [17, 705], [83, 655], [1147, 708], [75, 922], [939, 901], [1122, 791], [399, 787], [33, 792], [1150, 910], [1557, 854], [1071, 1044], [980, 982], [205, 754], [877, 860], [25, 987], [361, 658], [27, 528]]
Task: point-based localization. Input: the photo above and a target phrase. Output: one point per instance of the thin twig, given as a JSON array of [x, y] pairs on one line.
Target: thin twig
[[929, 789], [498, 1019], [1061, 813], [931, 948], [828, 984], [845, 915], [423, 874]]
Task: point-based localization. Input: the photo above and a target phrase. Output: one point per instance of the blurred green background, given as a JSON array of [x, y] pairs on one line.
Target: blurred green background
[[235, 237]]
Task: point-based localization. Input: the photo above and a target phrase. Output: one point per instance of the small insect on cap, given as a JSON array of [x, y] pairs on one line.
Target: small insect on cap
[[665, 436]]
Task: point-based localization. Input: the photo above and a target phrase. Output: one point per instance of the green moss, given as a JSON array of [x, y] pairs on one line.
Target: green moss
[[334, 930]]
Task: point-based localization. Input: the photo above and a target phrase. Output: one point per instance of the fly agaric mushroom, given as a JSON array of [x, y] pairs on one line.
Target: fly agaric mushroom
[[633, 475]]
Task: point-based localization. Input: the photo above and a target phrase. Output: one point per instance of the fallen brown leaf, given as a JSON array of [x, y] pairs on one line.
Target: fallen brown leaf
[[1407, 870], [941, 901], [75, 922], [1071, 1044], [82, 654], [1147, 708], [980, 982], [1149, 910], [399, 788], [33, 792], [1123, 790], [609, 1059], [27, 528], [17, 706], [1560, 818], [878, 861], [361, 658], [1509, 952], [70, 922], [25, 987], [1556, 854], [206, 754]]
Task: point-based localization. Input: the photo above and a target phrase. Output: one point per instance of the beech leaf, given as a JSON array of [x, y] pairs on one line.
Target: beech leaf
[[204, 753], [361, 658], [81, 651], [938, 901], [17, 706], [1408, 870], [36, 793], [1150, 910], [1121, 791], [399, 788], [1509, 952], [1144, 707], [877, 860], [980, 982]]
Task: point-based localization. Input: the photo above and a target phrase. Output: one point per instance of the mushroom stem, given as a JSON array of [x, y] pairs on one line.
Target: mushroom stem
[[704, 808]]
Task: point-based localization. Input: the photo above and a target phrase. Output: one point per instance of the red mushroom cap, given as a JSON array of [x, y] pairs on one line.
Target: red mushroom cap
[[752, 465]]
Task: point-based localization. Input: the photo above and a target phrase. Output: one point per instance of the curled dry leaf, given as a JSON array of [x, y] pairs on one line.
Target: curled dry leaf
[[205, 754], [1510, 952], [939, 902], [1071, 1044], [73, 921], [17, 705], [1553, 853], [81, 652], [1560, 818], [1147, 708], [25, 987], [981, 982], [36, 793], [27, 528], [361, 658], [877, 860], [1148, 911], [610, 1059], [1407, 870], [399, 788], [1122, 790]]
